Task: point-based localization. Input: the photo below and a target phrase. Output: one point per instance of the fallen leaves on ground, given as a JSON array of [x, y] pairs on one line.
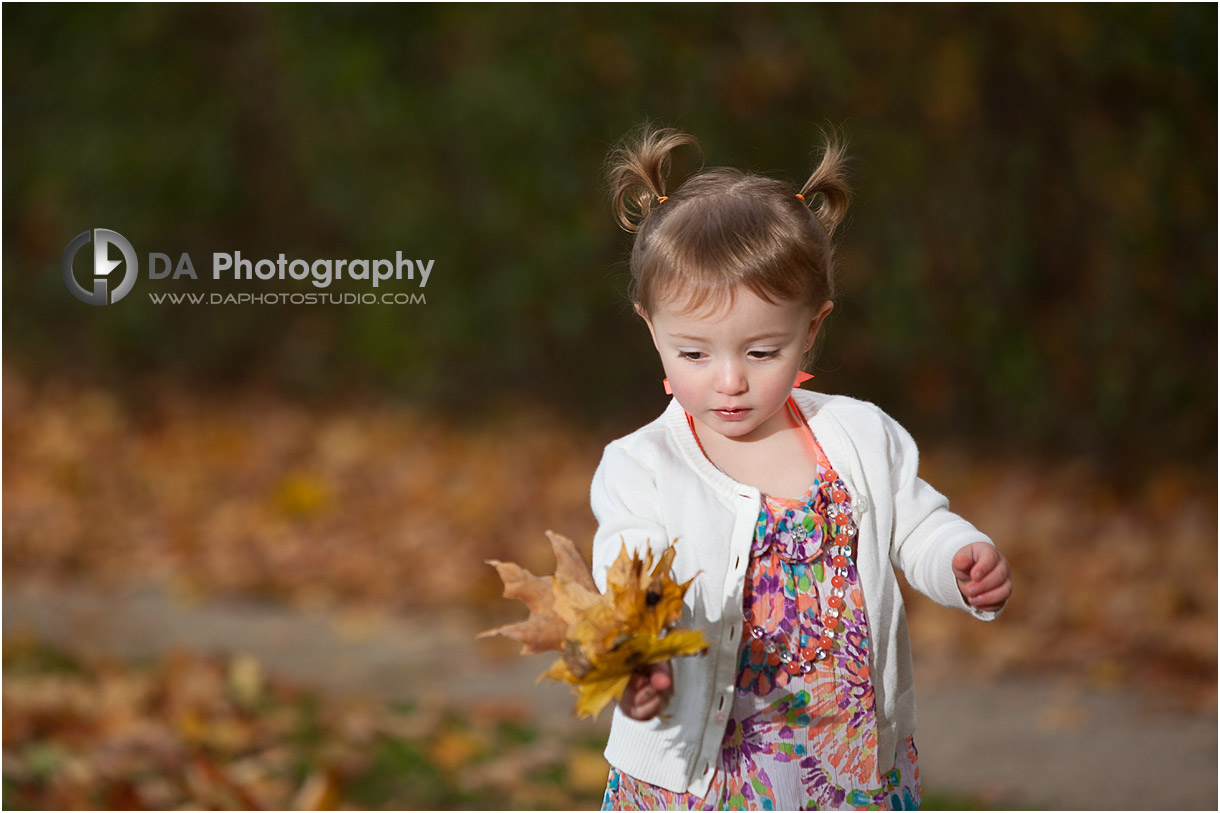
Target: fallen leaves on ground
[[379, 506], [208, 732], [603, 638]]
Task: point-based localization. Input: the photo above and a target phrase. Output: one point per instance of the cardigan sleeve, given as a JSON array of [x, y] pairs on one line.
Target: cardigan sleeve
[[926, 534], [625, 503]]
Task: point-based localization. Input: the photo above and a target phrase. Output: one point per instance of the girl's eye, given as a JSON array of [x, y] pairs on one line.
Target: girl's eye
[[690, 355], [763, 354]]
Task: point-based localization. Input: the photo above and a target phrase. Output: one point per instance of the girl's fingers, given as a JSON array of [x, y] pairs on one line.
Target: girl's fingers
[[651, 709], [961, 564], [661, 677], [983, 576], [645, 708], [986, 558], [992, 599], [975, 561], [648, 693], [989, 580]]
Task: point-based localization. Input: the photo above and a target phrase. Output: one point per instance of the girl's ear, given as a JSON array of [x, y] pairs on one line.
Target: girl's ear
[[651, 330], [816, 323]]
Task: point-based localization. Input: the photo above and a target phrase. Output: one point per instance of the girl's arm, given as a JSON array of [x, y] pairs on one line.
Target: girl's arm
[[624, 500], [943, 556], [625, 503]]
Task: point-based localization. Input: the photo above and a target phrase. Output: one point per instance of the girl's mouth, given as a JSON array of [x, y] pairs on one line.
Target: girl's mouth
[[732, 414]]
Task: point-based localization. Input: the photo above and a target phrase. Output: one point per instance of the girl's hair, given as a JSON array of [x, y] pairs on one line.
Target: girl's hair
[[723, 228]]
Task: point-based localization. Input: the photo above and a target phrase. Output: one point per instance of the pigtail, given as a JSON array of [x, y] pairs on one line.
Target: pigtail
[[637, 171], [830, 181]]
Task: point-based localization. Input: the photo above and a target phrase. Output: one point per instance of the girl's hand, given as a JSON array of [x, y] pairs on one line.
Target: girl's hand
[[983, 576], [648, 692]]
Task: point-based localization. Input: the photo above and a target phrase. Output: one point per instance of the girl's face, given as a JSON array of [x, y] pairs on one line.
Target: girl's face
[[733, 369]]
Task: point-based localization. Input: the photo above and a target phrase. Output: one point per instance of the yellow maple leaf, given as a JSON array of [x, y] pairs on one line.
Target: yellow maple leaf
[[603, 638]]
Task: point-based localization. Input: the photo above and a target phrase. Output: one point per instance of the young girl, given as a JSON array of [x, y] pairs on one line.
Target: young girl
[[789, 509]]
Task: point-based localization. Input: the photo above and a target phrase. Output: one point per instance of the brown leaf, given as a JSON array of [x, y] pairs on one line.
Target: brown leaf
[[570, 568], [543, 630], [603, 638], [574, 588]]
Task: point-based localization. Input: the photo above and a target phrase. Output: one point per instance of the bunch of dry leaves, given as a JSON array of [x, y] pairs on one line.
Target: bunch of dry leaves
[[603, 638]]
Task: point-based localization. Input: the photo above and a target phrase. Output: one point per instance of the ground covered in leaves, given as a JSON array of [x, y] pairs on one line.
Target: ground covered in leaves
[[187, 733], [382, 508], [190, 732]]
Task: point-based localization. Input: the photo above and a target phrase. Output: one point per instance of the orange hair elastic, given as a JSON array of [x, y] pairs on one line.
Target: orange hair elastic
[[802, 197], [662, 199]]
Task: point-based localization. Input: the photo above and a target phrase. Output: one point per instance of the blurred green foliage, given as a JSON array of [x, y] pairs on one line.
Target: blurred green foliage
[[1031, 260]]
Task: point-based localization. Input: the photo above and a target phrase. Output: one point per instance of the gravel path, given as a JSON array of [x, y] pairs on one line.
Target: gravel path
[[1049, 744]]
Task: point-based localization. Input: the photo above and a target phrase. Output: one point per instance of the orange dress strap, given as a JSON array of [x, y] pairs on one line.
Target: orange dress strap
[[793, 409]]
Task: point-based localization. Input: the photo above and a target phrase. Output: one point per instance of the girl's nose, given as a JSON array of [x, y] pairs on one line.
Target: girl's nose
[[730, 379]]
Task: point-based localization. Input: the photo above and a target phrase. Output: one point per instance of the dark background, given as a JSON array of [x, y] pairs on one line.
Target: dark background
[[1031, 259]]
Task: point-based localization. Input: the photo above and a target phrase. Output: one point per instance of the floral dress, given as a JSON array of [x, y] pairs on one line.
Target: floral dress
[[802, 734]]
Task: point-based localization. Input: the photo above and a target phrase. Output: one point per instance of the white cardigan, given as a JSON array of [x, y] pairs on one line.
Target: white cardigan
[[655, 486]]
